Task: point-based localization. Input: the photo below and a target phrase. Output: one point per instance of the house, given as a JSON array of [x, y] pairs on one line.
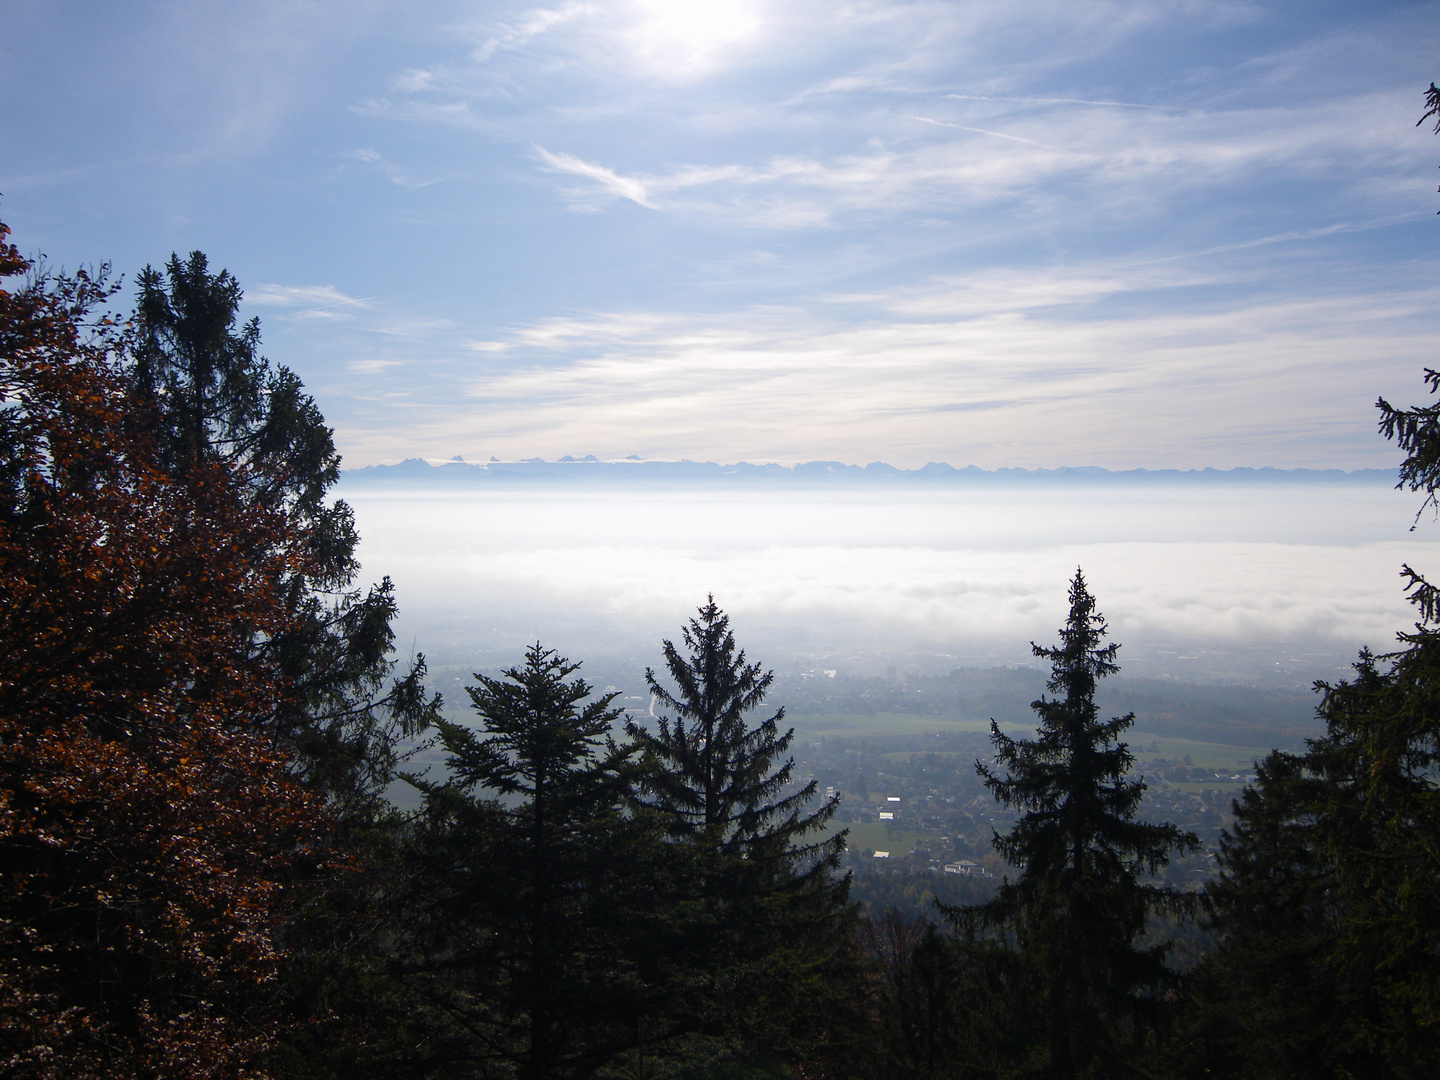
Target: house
[[966, 868]]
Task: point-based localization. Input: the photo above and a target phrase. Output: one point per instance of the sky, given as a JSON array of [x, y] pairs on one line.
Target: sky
[[1024, 233]]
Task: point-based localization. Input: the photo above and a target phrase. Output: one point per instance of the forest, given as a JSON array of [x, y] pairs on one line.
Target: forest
[[204, 873]]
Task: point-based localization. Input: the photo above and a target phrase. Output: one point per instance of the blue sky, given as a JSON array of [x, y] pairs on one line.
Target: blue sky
[[1036, 234]]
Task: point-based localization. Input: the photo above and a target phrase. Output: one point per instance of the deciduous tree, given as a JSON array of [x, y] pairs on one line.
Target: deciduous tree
[[146, 818]]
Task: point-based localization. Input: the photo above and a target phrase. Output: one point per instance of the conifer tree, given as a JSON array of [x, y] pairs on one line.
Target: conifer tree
[[218, 399], [530, 923], [1076, 914], [348, 717], [1268, 1002], [767, 913], [1328, 902], [920, 986], [723, 784]]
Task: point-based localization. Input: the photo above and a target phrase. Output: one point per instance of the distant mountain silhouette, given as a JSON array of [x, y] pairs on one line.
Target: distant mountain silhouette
[[570, 471]]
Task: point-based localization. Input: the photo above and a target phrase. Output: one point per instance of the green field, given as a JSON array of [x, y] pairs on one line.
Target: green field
[[1204, 754], [906, 755], [893, 725], [876, 836]]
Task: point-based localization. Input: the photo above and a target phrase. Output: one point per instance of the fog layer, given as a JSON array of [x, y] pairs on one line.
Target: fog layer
[[1250, 576]]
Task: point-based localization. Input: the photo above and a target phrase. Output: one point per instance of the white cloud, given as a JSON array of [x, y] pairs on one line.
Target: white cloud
[[1061, 101], [622, 187], [1099, 163], [997, 135], [309, 301], [680, 40], [455, 114], [413, 326], [392, 172], [838, 113], [1001, 368], [1043, 268], [412, 81], [372, 366], [529, 26]]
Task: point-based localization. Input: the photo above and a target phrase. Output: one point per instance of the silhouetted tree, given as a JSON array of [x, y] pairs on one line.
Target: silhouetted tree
[[1326, 905], [531, 925], [919, 994], [1432, 108], [1328, 902], [766, 939], [218, 400], [717, 779], [1076, 916], [1264, 1003]]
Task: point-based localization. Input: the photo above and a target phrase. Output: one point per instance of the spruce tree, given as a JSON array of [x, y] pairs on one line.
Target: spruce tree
[[765, 913], [1075, 917], [717, 779], [217, 399], [1328, 903], [350, 714], [1326, 906], [1267, 1002], [530, 923]]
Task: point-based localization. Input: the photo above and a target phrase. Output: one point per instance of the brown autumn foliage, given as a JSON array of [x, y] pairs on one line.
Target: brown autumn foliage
[[145, 819]]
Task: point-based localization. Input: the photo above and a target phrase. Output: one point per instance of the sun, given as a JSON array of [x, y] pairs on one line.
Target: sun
[[688, 38]]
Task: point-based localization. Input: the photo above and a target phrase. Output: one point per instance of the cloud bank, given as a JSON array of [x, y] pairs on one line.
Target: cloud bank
[[976, 575]]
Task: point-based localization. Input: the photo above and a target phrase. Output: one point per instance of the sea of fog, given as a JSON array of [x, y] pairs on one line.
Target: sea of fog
[[1209, 582]]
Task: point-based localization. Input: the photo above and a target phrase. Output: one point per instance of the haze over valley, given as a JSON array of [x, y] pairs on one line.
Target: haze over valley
[[1234, 578]]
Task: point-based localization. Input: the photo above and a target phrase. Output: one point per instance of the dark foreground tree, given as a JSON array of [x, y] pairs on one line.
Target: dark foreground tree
[[718, 780], [1328, 904], [533, 935], [920, 990], [1325, 907], [348, 717], [218, 400], [147, 823], [768, 945], [1256, 1007], [1074, 922]]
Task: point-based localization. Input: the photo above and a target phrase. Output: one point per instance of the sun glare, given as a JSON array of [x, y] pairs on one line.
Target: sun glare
[[685, 38]]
